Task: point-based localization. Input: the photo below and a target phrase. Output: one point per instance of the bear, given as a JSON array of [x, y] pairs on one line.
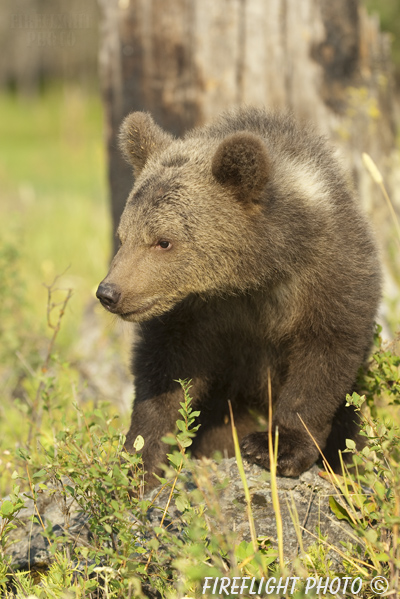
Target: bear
[[249, 265]]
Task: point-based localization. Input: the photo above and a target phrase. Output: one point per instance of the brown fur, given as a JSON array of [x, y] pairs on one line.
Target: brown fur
[[243, 252]]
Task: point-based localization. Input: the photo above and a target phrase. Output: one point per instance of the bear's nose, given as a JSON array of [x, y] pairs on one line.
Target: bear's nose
[[108, 295]]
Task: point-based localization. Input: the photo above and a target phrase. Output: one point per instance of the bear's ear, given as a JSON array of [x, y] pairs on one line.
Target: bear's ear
[[139, 137], [241, 162]]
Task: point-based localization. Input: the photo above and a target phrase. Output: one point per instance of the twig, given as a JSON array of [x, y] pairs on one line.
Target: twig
[[36, 409]]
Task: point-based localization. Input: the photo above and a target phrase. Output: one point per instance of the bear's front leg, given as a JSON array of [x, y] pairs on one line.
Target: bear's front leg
[[154, 418], [318, 379]]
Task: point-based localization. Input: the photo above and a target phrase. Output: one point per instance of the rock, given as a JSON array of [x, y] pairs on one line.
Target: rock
[[28, 548], [307, 495]]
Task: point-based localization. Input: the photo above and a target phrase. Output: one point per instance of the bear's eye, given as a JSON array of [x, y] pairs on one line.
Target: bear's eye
[[163, 244]]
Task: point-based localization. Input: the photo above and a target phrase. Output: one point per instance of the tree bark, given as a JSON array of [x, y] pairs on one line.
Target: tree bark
[[187, 60]]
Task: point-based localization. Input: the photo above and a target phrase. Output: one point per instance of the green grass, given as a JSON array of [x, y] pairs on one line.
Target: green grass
[[54, 220], [53, 142], [53, 201]]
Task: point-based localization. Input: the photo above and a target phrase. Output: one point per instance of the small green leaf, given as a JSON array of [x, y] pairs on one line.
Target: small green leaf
[[6, 509], [185, 442], [182, 503], [382, 557], [371, 535], [175, 459], [169, 440], [380, 489], [340, 512], [138, 443]]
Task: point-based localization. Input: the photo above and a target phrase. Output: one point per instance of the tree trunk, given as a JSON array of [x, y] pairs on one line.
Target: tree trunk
[[187, 60]]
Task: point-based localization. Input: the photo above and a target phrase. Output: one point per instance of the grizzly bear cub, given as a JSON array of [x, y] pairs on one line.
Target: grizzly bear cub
[[244, 256]]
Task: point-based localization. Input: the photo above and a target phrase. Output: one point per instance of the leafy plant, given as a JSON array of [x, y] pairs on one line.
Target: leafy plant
[[369, 496], [9, 510]]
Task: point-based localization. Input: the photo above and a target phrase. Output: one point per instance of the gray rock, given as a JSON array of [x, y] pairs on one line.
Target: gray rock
[[29, 548], [304, 504], [307, 496]]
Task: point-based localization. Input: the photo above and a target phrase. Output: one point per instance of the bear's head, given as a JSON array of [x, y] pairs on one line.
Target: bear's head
[[192, 222]]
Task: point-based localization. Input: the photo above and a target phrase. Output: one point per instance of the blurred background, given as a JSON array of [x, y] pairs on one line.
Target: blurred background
[[69, 73]]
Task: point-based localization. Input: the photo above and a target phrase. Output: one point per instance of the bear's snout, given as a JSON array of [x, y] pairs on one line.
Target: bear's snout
[[109, 295]]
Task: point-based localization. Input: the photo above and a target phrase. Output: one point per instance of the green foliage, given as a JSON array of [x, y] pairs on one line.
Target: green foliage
[[91, 467], [381, 381], [126, 551], [53, 219], [186, 429], [53, 209], [12, 299], [369, 497], [9, 510]]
